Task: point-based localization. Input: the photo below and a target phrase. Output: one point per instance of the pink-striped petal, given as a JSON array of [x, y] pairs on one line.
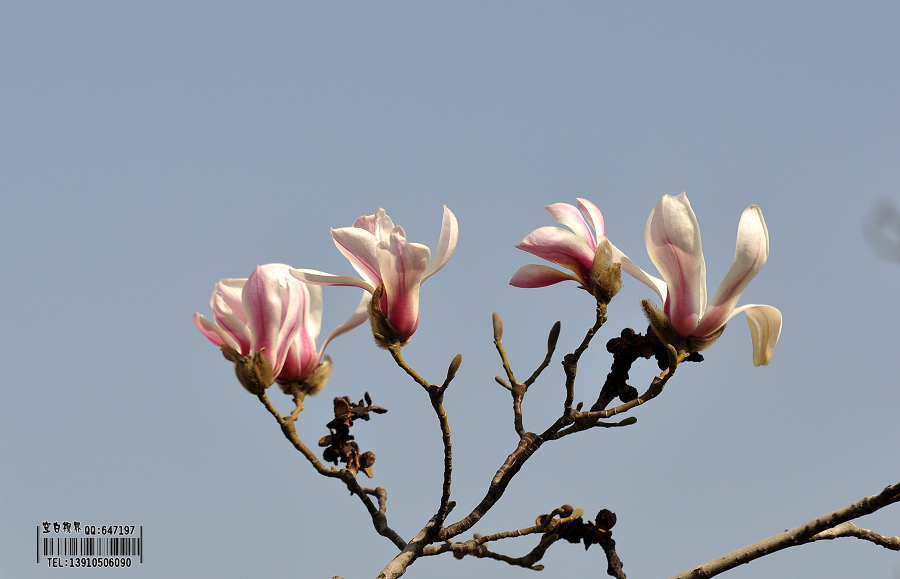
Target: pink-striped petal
[[562, 248], [569, 216], [214, 333], [402, 267], [673, 242], [233, 324], [358, 246], [593, 216], [229, 291], [530, 276], [301, 358], [273, 307], [379, 224]]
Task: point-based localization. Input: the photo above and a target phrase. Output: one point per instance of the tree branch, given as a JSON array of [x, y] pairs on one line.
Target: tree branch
[[848, 529], [801, 535], [379, 519]]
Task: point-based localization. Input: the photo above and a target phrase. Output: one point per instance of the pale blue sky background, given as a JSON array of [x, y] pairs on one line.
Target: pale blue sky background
[[147, 151]]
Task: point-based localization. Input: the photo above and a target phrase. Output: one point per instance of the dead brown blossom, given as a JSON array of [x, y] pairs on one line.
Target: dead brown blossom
[[339, 445]]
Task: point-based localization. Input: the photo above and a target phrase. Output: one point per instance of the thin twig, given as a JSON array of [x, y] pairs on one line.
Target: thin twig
[[518, 389], [436, 395], [551, 347], [848, 529], [585, 420], [379, 520], [570, 362]]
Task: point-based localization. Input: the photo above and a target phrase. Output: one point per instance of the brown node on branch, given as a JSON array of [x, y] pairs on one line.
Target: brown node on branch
[[590, 533], [339, 444], [626, 349]]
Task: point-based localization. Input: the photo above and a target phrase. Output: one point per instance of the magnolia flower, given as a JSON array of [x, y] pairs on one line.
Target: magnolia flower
[[268, 325], [686, 321], [591, 259], [392, 270]]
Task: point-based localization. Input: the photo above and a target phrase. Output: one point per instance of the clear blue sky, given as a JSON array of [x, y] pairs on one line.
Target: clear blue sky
[[148, 150]]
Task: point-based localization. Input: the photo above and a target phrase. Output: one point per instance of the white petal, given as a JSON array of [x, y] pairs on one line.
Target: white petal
[[569, 216], [593, 216], [750, 255], [446, 244], [356, 318], [631, 268], [316, 277], [673, 242], [765, 329]]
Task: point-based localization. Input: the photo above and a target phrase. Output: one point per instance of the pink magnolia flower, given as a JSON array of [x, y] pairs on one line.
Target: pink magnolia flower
[[276, 316], [586, 255], [673, 242], [391, 268]]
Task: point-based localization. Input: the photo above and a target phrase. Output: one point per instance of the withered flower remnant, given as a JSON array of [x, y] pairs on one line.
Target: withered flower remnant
[[339, 444]]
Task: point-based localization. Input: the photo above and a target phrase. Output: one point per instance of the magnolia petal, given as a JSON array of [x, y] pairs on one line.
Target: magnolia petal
[[446, 243], [358, 246], [562, 248], [402, 267], [530, 276], [301, 358], [214, 333], [233, 324], [229, 290], [316, 277], [750, 255], [593, 216], [632, 269], [673, 242], [765, 329], [273, 306], [356, 318], [312, 320], [569, 216]]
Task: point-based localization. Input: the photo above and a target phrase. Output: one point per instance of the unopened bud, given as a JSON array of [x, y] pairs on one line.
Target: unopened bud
[[498, 327], [253, 372], [606, 276], [454, 367], [553, 337]]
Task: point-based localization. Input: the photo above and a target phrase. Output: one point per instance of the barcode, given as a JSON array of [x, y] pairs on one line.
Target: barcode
[[93, 546]]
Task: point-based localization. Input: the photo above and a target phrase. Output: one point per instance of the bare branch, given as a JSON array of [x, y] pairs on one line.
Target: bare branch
[[551, 347], [436, 394], [379, 519], [800, 535], [848, 529]]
